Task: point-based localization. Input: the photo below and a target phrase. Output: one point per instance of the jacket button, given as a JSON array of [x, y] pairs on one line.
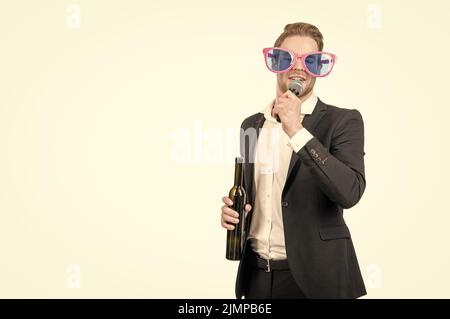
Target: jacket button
[[284, 204]]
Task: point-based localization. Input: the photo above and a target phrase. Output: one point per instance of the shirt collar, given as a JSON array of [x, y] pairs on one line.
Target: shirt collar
[[307, 107]]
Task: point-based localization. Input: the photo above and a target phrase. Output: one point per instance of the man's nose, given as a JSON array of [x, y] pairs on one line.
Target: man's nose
[[298, 64]]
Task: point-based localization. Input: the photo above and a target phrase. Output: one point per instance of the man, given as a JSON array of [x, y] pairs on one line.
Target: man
[[299, 176]]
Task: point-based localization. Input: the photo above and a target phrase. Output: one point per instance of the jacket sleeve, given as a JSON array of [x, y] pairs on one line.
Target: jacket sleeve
[[340, 171]]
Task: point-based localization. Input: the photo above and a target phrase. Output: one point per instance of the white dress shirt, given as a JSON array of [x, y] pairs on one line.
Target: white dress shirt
[[272, 157]]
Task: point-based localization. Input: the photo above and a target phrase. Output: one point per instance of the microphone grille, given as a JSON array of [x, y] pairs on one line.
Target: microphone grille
[[295, 87]]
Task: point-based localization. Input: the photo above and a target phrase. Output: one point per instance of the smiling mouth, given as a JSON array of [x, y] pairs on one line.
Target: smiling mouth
[[297, 78]]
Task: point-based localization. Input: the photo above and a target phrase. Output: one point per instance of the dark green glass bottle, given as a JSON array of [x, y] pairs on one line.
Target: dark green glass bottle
[[236, 237]]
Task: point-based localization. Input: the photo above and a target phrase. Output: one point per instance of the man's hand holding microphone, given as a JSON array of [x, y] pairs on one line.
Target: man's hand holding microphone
[[287, 109]]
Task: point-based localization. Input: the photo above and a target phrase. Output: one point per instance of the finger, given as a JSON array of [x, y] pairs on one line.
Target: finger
[[277, 108], [227, 226], [230, 212], [282, 103], [227, 201], [248, 207], [223, 208], [277, 111], [274, 113], [230, 219], [288, 94], [291, 95]]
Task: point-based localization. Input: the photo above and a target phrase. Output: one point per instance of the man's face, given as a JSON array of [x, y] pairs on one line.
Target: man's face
[[301, 45]]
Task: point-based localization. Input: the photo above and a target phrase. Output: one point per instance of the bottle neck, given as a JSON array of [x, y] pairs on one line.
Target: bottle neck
[[238, 174]]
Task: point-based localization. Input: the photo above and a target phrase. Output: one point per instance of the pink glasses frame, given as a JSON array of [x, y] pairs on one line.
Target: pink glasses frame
[[302, 58]]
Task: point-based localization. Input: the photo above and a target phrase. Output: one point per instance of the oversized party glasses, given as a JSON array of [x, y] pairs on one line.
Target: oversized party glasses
[[316, 64]]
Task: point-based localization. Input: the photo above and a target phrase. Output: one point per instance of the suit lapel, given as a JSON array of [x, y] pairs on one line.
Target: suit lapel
[[250, 158]]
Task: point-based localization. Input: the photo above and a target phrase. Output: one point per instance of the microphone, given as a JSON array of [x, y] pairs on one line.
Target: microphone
[[296, 87]]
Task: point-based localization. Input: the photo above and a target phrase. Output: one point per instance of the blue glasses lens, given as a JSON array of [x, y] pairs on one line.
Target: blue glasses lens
[[319, 63], [278, 60]]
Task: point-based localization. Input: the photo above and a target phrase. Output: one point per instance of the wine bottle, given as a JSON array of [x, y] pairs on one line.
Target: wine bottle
[[236, 237]]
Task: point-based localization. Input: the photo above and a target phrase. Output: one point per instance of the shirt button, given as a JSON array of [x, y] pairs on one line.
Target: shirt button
[[284, 204]]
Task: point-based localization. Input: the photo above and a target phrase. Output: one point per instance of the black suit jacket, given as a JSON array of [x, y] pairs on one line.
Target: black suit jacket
[[324, 177]]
